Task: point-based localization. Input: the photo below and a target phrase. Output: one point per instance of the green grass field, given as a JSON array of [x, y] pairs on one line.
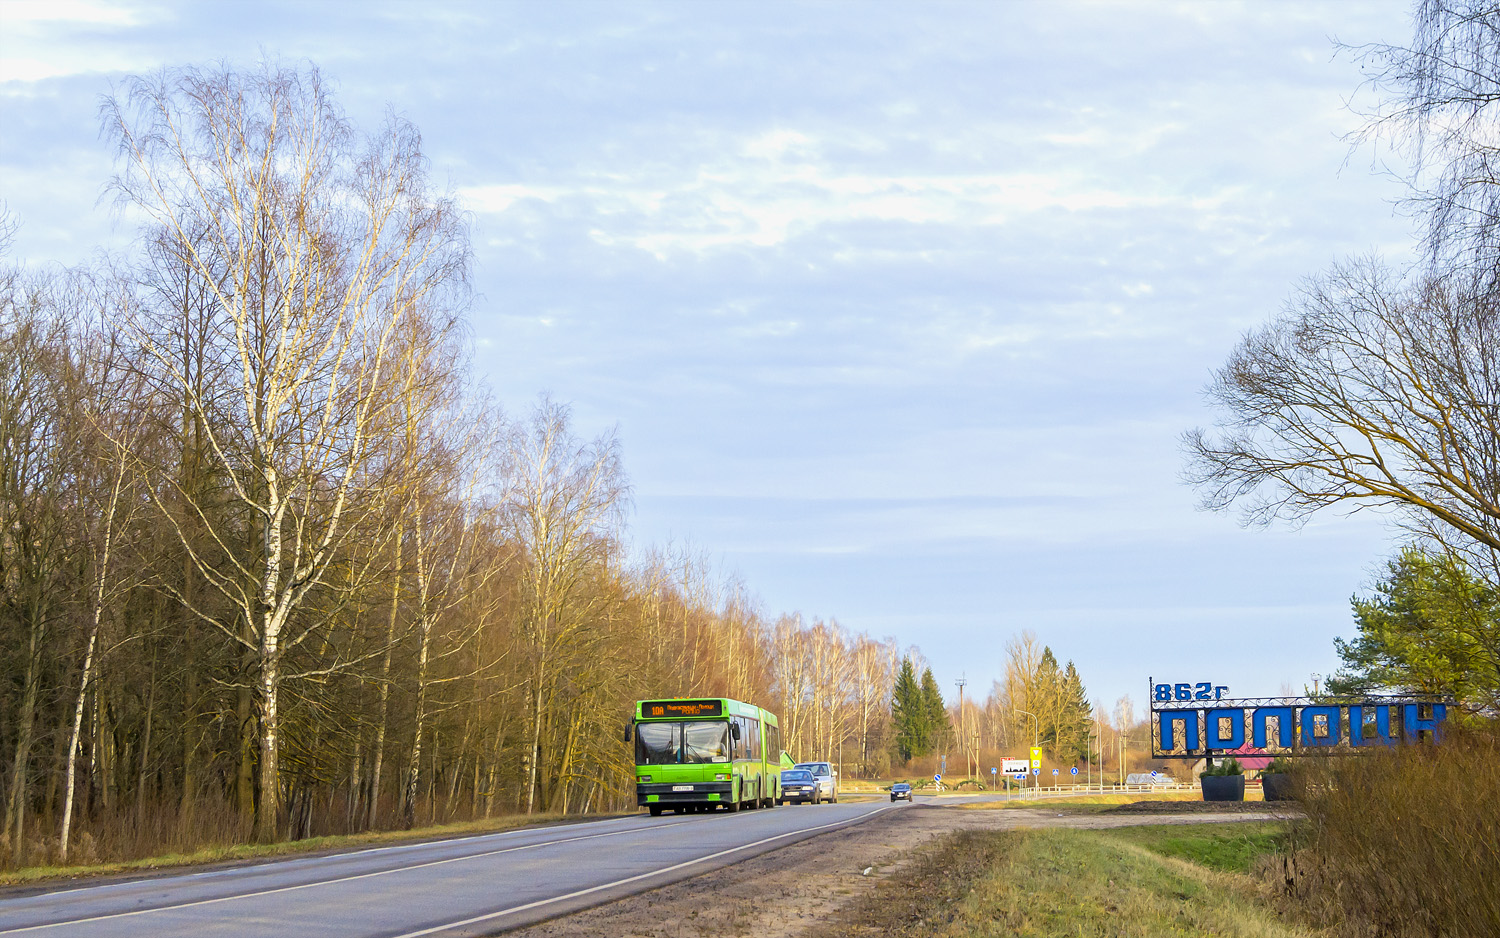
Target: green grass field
[[1169, 880]]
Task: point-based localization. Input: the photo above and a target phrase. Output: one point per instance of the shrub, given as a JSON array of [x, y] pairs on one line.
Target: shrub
[[1230, 766], [1403, 842]]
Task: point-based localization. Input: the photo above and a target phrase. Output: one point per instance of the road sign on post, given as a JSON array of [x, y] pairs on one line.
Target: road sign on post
[[1075, 770]]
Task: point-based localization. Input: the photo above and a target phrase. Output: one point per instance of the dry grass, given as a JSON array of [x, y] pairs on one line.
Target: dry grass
[[1401, 843], [1068, 883], [236, 852], [1106, 800]]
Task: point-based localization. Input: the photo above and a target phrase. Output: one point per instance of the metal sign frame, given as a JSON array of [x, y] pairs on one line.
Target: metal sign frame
[[1292, 726]]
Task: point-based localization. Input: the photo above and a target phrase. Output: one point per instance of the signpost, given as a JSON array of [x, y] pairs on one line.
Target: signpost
[[1196, 719], [938, 778]]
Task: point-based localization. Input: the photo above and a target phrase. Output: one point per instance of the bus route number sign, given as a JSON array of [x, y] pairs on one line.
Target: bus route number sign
[[653, 709]]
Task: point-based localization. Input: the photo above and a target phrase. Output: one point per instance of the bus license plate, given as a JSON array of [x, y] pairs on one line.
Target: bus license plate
[[682, 788]]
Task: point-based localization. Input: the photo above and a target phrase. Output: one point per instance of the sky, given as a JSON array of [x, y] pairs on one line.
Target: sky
[[899, 309]]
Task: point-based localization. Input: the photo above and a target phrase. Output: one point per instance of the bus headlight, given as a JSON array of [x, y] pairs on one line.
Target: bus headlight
[[720, 777], [643, 778]]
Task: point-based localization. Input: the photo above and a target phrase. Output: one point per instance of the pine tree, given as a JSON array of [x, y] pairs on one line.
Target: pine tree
[[907, 716], [939, 732], [1075, 714]]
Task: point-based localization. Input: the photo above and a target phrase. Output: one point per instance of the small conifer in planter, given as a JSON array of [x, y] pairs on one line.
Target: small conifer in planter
[[1276, 780], [1224, 782]]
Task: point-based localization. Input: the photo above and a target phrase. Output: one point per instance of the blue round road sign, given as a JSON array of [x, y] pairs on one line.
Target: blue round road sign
[[1036, 771], [938, 777], [1075, 770]]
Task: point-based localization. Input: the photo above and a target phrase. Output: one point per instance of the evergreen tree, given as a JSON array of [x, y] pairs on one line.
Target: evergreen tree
[[1432, 627], [938, 731], [907, 714], [1073, 725], [1048, 701]]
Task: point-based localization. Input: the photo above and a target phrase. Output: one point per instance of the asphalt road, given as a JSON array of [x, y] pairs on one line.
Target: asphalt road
[[468, 886]]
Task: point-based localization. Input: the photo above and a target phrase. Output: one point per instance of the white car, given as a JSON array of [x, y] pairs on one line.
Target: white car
[[826, 778]]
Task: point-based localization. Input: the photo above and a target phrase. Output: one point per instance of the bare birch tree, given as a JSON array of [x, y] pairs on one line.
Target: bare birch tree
[[109, 413], [318, 244], [565, 501]]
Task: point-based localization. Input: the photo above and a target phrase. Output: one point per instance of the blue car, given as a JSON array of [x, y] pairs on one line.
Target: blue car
[[798, 786], [901, 790]]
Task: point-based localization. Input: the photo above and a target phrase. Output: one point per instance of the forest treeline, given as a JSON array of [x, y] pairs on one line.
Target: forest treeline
[[1037, 702], [273, 565]]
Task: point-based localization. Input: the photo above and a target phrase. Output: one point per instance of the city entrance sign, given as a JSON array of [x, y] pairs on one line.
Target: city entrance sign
[[1194, 727]]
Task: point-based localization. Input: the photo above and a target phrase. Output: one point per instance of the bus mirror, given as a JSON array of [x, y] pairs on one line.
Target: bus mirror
[[734, 730], [627, 732]]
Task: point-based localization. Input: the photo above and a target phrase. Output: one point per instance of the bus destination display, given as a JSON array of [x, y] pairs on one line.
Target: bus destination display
[[652, 709]]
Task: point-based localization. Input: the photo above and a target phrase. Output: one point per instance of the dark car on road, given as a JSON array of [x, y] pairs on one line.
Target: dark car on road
[[798, 786], [901, 790]]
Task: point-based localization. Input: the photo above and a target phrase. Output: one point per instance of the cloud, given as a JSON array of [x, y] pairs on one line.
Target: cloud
[[47, 39]]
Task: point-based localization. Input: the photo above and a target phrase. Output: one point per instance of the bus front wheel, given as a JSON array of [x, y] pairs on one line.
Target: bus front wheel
[[655, 810]]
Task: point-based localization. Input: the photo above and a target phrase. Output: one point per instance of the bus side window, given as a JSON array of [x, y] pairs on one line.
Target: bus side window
[[755, 729]]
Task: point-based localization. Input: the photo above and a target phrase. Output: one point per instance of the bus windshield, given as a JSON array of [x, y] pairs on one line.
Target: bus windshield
[[671, 743]]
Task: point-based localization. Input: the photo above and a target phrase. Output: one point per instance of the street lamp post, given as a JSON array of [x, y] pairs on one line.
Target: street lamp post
[[1094, 743], [1036, 739]]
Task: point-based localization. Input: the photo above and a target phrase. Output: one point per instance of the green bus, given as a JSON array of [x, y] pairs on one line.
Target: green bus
[[699, 754]]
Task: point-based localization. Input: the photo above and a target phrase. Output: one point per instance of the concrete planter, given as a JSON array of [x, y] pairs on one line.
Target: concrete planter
[[1277, 786], [1223, 787]]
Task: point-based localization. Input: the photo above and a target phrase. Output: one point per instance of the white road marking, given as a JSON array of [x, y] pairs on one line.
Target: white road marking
[[288, 860], [631, 879], [341, 879]]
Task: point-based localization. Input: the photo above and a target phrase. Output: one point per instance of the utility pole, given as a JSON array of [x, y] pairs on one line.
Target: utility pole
[[961, 740], [1036, 740]]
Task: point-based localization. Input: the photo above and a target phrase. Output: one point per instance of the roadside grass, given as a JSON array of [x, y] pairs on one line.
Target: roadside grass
[[1042, 883], [242, 852], [1094, 801], [1226, 848]]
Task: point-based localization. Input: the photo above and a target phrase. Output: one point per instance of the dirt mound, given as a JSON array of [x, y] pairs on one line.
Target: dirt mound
[[1203, 807]]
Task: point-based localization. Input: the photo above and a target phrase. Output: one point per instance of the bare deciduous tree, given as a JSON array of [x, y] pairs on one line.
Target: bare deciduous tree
[[1366, 392], [1436, 108], [318, 245], [564, 506]]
